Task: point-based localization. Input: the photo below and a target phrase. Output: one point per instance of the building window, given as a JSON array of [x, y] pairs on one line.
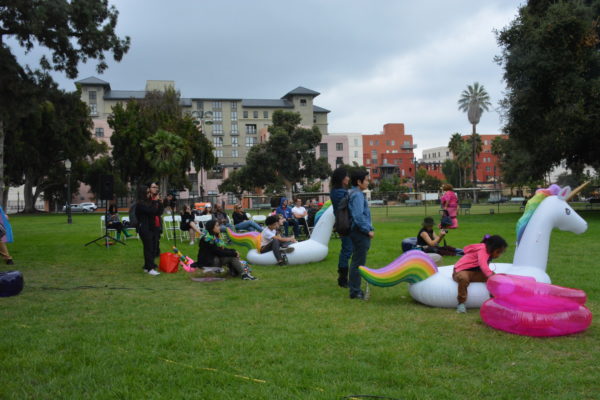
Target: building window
[[245, 114], [217, 116], [303, 102], [339, 161], [387, 142], [235, 153], [356, 142], [393, 142], [339, 146], [218, 153], [234, 142], [250, 141], [250, 129], [374, 154], [93, 109], [488, 169], [323, 150], [99, 132], [218, 141], [92, 96], [234, 105], [370, 143], [217, 129], [314, 119], [368, 161], [199, 105], [377, 143], [234, 129], [234, 115], [255, 114], [216, 105], [356, 154], [265, 114]]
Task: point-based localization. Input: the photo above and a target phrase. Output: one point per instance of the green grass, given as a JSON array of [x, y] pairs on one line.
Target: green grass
[[90, 325]]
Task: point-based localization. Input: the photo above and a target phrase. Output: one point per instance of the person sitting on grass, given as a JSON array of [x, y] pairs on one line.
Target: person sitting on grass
[[271, 240], [241, 221], [213, 253], [188, 224], [286, 211], [113, 222], [474, 265], [428, 241]]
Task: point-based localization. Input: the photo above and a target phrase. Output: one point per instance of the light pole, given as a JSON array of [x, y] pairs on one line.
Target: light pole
[[205, 118], [68, 168]]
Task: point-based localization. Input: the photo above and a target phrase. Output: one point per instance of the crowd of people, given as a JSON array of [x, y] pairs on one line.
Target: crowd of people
[[275, 237]]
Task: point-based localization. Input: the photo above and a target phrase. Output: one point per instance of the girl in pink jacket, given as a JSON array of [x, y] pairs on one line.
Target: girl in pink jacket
[[474, 265]]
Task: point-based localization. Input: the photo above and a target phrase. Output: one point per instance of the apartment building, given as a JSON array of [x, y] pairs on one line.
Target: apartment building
[[389, 153], [232, 124]]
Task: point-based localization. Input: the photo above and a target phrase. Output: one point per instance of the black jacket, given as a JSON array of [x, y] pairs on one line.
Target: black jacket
[[239, 217], [208, 250], [146, 212]]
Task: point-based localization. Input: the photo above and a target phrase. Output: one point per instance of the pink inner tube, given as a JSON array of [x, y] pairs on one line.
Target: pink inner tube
[[524, 307]]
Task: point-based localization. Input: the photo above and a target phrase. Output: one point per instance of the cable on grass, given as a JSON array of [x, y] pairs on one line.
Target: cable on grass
[[368, 396]]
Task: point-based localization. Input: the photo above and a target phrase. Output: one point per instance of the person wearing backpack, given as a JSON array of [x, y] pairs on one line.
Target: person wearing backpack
[[339, 182], [361, 230]]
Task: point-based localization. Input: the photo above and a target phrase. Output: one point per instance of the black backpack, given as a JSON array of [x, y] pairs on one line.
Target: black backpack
[[133, 221], [343, 219]]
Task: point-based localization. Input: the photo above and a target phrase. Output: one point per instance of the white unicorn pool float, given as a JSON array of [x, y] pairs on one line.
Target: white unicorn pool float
[[314, 249], [435, 287]]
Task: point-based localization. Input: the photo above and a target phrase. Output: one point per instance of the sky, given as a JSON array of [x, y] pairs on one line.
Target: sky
[[373, 61]]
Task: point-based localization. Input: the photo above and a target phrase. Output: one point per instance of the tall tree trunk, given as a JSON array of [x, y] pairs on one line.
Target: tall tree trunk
[[1, 155], [5, 199], [28, 197], [473, 166], [288, 190]]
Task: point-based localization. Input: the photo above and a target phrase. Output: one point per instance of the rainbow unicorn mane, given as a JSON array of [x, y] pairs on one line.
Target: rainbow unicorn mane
[[251, 240], [531, 207], [322, 211], [412, 267]]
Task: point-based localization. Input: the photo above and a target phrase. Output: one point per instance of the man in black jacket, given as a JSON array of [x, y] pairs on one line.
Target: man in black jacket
[[148, 212]]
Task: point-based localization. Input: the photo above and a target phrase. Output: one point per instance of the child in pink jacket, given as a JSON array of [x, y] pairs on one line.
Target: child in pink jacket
[[474, 265]]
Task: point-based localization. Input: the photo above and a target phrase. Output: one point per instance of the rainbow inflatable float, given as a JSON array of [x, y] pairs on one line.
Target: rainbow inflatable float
[[314, 249], [548, 209]]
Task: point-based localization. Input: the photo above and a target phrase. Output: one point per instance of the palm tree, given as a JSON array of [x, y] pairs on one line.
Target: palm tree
[[463, 158], [454, 145], [474, 101], [165, 152]]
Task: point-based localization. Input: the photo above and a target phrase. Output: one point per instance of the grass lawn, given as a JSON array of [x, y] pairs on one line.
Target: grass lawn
[[90, 325]]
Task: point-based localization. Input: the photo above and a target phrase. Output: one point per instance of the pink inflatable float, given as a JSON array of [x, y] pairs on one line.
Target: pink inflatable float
[[525, 307]]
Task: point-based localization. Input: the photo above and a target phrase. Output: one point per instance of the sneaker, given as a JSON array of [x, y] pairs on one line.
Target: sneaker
[[248, 277], [191, 243], [288, 249], [153, 272], [281, 263], [461, 309], [358, 296], [10, 262]]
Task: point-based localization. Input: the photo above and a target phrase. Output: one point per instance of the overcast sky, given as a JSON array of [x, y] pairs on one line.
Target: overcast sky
[[373, 61]]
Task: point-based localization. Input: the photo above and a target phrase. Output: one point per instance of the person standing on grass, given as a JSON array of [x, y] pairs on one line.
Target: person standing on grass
[[361, 231], [6, 236], [148, 212], [339, 183], [449, 203]]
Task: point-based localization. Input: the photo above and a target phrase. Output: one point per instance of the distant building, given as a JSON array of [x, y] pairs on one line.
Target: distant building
[[433, 159], [335, 149], [389, 153], [355, 147]]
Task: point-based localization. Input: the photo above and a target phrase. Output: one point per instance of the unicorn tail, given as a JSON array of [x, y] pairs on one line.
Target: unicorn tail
[[412, 267], [251, 240]]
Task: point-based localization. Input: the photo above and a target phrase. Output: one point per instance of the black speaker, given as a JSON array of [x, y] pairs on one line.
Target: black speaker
[[107, 187]]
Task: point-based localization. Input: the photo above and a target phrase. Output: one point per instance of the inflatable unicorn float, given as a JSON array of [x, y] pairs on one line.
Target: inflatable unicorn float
[[312, 250], [435, 287]]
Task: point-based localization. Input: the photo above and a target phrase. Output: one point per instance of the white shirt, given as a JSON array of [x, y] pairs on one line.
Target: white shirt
[[301, 211], [267, 236]]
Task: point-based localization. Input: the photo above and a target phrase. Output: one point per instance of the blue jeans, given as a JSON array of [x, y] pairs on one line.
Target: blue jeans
[[360, 246], [248, 226], [294, 223], [345, 252]]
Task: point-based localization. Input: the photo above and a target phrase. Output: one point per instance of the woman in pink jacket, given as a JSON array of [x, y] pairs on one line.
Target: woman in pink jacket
[[474, 265], [449, 203]]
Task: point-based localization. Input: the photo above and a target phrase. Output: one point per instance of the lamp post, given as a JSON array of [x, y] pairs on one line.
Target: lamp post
[[205, 118], [68, 169]]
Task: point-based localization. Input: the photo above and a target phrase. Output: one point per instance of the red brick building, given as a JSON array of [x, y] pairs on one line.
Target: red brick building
[[488, 170], [389, 153]]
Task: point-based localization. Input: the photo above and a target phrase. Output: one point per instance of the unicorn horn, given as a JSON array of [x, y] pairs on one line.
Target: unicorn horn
[[577, 190]]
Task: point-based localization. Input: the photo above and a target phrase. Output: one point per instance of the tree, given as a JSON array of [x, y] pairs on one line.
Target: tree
[[463, 158], [455, 145], [237, 183], [288, 155], [451, 171], [474, 101], [73, 31], [165, 153], [550, 55]]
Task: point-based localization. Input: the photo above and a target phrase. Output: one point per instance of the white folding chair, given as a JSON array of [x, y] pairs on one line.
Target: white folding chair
[[111, 232], [129, 228], [201, 220], [259, 219]]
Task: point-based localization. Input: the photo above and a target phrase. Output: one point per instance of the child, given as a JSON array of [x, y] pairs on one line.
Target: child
[[428, 241], [474, 265], [271, 240]]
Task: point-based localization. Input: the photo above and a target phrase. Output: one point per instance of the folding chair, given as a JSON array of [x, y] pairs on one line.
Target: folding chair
[[129, 229], [201, 221], [259, 219], [111, 232], [170, 225]]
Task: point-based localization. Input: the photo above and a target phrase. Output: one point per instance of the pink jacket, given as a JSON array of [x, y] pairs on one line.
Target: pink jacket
[[449, 199], [476, 255]]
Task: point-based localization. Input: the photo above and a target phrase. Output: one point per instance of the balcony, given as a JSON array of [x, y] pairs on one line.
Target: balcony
[[408, 146]]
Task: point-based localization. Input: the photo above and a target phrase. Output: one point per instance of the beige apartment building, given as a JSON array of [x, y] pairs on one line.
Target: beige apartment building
[[233, 125]]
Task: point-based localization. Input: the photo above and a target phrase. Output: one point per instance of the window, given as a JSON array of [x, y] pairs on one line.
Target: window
[[314, 119], [217, 129], [250, 129], [339, 161], [218, 141], [387, 142], [356, 154], [199, 105], [374, 160], [374, 154], [385, 160], [370, 143], [216, 105], [233, 105], [217, 116], [265, 114], [250, 141], [393, 142], [218, 153], [99, 132], [92, 94], [368, 161], [447, 154], [355, 141], [377, 143], [93, 109], [234, 153], [234, 142], [234, 115], [488, 169], [339, 146], [234, 129], [255, 114], [323, 150], [303, 102], [245, 114]]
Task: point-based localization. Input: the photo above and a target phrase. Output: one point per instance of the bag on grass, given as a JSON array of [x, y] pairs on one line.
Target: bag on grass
[[169, 262]]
